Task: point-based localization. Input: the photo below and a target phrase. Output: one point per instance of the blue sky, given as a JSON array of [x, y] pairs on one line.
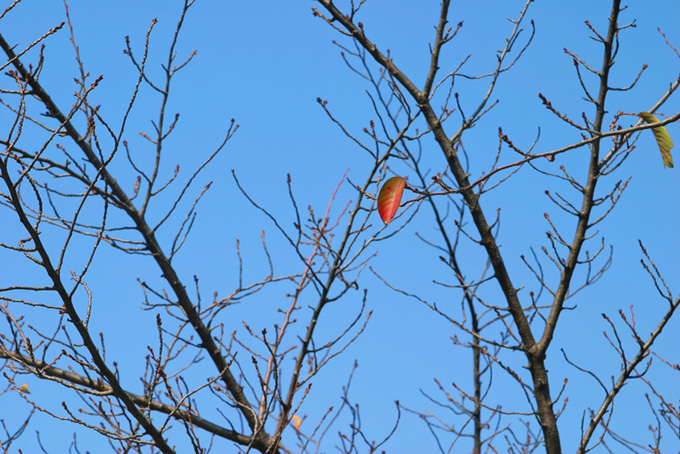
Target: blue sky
[[265, 64]]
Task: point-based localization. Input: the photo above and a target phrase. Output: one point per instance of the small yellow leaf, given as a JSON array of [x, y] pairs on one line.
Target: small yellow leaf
[[24, 388], [663, 139], [296, 422]]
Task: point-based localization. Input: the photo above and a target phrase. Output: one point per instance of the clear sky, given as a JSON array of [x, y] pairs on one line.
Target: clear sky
[[265, 64]]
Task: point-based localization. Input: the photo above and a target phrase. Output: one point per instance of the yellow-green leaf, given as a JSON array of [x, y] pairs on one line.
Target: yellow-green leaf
[[663, 139]]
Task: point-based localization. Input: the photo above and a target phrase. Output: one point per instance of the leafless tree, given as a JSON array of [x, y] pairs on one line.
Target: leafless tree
[[76, 187]]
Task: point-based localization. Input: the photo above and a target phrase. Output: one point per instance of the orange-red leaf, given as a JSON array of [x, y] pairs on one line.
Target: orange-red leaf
[[390, 197]]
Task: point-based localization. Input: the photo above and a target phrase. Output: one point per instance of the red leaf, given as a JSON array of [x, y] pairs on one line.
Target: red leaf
[[390, 197]]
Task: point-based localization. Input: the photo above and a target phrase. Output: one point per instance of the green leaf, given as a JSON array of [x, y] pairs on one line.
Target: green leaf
[[390, 197], [663, 139]]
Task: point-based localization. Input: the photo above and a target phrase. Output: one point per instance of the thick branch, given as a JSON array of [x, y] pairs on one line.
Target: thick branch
[[101, 389], [65, 297], [625, 375], [535, 356], [183, 300], [589, 193]]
